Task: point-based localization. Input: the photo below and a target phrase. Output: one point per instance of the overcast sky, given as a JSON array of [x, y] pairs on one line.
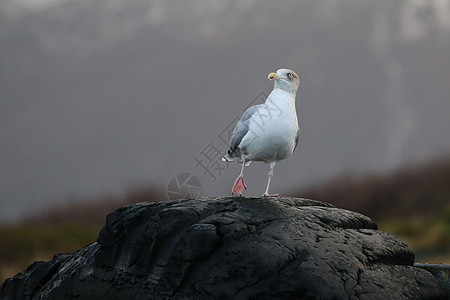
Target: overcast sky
[[100, 95]]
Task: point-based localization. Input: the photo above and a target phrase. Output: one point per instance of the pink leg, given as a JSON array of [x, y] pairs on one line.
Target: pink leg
[[239, 184], [266, 193]]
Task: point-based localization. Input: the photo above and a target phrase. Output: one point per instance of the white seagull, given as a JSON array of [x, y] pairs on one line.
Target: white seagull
[[267, 132]]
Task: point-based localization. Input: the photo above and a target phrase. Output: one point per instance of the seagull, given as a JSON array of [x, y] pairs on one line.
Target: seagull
[[267, 132]]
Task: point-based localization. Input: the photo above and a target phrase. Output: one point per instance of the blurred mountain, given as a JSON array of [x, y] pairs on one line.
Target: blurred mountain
[[97, 95]]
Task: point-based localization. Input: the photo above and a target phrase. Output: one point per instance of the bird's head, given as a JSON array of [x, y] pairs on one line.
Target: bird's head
[[285, 79]]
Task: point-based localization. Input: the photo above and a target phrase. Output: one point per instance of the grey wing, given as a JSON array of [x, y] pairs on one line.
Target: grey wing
[[296, 139], [242, 126]]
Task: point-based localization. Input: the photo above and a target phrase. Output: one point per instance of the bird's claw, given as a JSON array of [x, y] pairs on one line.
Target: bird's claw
[[238, 186], [269, 195]]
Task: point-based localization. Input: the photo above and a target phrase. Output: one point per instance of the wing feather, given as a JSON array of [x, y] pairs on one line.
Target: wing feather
[[242, 127]]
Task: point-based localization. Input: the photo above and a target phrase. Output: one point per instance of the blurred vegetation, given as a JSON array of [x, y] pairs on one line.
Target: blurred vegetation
[[412, 203], [422, 189], [94, 210], [428, 236], [21, 245]]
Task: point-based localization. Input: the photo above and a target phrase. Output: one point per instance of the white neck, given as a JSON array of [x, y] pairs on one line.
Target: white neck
[[282, 99], [283, 85]]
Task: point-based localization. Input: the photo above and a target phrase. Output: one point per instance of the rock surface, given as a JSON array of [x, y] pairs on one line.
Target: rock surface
[[232, 248], [441, 272]]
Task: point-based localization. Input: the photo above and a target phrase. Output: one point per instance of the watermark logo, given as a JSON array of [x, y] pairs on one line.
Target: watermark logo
[[209, 159], [183, 186]]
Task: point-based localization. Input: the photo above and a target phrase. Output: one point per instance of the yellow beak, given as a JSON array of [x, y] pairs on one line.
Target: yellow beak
[[273, 76]]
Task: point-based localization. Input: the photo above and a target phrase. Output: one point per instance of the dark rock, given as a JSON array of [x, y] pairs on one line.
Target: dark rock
[[441, 272], [232, 248]]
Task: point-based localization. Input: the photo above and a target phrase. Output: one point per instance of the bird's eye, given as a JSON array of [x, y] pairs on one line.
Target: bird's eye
[[290, 75]]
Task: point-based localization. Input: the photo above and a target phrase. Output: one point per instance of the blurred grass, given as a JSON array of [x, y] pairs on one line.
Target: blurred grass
[[428, 236], [21, 245]]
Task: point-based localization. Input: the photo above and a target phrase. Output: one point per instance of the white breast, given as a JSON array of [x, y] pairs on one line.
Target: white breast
[[272, 130]]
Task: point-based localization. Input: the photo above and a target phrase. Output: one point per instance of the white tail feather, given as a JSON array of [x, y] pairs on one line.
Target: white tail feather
[[227, 158]]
